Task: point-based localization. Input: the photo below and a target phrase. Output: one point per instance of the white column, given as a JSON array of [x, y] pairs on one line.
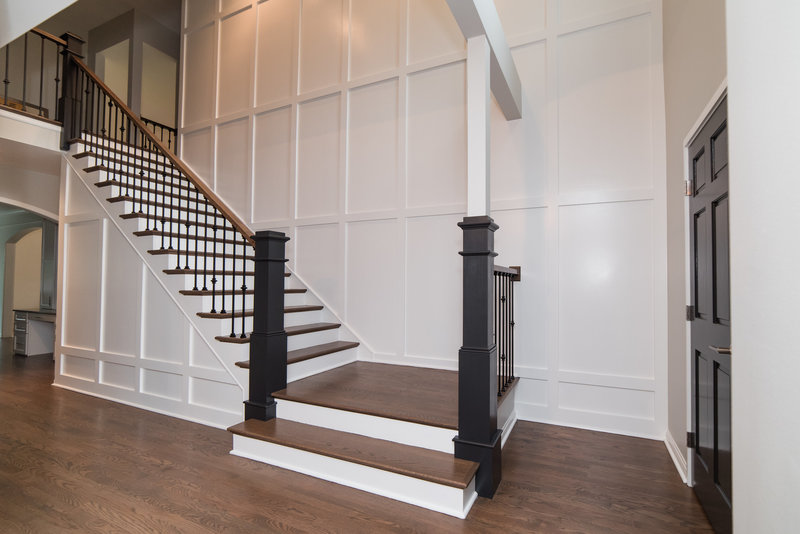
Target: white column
[[479, 100]]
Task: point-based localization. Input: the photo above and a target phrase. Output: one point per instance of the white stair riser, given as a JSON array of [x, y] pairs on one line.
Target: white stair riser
[[212, 266], [314, 338], [300, 370], [109, 146], [407, 433], [437, 497]]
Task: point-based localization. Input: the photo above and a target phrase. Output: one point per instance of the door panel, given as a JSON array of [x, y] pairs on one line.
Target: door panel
[[711, 399]]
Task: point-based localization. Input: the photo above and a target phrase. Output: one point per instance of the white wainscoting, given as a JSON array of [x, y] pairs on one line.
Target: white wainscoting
[[356, 147], [122, 335]]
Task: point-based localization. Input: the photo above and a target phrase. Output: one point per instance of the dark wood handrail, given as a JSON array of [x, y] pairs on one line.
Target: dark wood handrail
[[212, 198], [159, 124], [49, 37]]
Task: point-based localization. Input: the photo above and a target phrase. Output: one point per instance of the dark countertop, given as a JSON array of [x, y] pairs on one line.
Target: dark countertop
[[36, 310]]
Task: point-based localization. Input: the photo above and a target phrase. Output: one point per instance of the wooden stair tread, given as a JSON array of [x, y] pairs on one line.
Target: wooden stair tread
[[290, 331], [423, 464], [249, 313], [415, 394], [199, 254], [182, 236], [301, 355], [200, 272], [207, 292]]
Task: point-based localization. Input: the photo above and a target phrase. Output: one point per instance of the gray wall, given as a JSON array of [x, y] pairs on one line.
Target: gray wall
[[694, 68]]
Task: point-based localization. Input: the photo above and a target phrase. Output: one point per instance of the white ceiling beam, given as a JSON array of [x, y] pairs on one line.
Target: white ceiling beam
[[479, 17]]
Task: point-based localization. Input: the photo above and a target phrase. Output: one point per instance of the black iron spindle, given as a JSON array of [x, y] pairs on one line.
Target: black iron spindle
[[6, 81], [57, 80], [214, 272], [25, 75], [244, 281], [224, 266], [233, 292], [205, 244], [41, 76]]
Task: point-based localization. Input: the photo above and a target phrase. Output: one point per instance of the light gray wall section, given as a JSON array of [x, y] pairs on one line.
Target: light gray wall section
[[9, 226], [694, 67]]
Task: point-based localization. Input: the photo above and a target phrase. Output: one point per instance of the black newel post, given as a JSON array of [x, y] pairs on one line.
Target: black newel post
[[478, 436], [69, 103], [268, 340]]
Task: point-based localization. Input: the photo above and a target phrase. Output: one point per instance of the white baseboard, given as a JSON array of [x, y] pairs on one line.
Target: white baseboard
[[677, 457], [436, 497]]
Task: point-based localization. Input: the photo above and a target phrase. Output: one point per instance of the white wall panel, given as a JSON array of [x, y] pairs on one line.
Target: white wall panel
[[81, 288], [201, 355], [165, 334], [78, 201], [272, 165], [209, 393], [321, 36], [275, 60], [162, 384], [122, 295], [318, 254], [432, 31], [437, 137], [519, 148], [433, 287], [522, 240], [375, 303], [227, 6], [606, 108], [80, 368], [237, 47], [318, 157], [233, 165], [374, 36], [606, 289], [199, 71], [372, 167], [197, 152], [117, 375], [520, 17], [571, 10], [606, 400], [199, 12]]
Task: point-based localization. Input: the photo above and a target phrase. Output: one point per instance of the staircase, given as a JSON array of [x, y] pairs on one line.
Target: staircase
[[382, 428]]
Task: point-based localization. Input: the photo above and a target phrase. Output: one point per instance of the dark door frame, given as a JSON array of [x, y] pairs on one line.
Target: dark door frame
[[704, 117]]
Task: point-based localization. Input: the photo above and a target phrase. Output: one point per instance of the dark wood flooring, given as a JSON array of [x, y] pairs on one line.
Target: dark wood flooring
[[73, 463], [399, 392]]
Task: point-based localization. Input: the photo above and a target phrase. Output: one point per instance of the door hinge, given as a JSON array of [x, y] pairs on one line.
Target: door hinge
[[689, 190], [690, 313], [691, 440]]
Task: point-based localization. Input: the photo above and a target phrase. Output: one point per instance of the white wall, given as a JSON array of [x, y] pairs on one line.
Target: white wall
[[694, 68], [343, 124], [11, 224], [120, 334], [159, 85], [763, 84], [28, 270], [19, 17]]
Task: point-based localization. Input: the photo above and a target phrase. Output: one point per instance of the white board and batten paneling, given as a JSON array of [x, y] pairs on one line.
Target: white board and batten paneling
[[121, 334], [347, 129]]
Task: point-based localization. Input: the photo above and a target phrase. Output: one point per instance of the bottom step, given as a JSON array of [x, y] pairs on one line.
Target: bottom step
[[425, 478]]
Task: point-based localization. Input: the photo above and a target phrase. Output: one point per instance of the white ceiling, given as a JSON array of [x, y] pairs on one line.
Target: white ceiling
[[85, 15]]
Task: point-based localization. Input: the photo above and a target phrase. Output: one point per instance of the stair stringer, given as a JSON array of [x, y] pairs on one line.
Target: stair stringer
[[234, 374]]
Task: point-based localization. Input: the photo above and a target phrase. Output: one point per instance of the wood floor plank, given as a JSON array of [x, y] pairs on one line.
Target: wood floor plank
[[414, 394], [74, 463]]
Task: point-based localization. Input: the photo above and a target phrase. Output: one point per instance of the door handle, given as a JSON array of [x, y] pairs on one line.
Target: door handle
[[720, 350]]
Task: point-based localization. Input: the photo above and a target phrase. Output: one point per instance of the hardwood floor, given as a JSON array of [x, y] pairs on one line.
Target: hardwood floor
[[70, 462]]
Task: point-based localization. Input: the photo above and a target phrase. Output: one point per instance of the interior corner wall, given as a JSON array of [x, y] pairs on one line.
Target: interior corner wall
[[9, 227], [694, 68], [342, 123], [763, 52]]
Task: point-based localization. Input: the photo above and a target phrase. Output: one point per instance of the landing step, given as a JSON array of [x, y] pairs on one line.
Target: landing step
[[423, 464], [413, 394], [249, 313], [300, 355], [290, 331]]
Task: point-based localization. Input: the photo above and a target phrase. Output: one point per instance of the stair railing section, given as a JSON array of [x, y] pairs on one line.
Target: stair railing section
[[504, 279], [32, 74], [478, 436], [206, 240], [166, 134]]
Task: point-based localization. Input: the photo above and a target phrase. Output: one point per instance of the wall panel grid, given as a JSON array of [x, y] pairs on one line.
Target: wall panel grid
[[121, 334], [357, 150]]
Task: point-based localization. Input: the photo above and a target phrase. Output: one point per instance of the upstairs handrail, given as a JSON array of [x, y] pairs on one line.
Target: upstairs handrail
[[49, 36], [172, 133], [504, 323], [176, 162]]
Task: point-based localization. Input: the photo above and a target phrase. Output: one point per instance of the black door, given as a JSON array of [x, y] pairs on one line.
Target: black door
[[711, 326]]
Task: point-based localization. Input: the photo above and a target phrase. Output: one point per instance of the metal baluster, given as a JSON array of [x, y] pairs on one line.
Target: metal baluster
[[196, 236], [171, 194], [233, 293], [205, 244], [58, 79], [87, 106], [244, 280], [214, 272], [224, 269], [188, 231], [6, 81], [25, 74], [41, 76], [163, 203], [513, 324]]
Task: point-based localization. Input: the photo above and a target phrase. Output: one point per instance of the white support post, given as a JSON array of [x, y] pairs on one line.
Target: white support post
[[479, 100]]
